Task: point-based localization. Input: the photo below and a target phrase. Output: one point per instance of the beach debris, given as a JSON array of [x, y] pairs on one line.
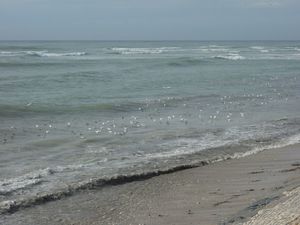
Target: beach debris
[[189, 212], [290, 170], [257, 172], [296, 164]]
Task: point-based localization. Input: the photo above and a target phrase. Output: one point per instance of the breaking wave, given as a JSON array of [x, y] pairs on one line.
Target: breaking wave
[[10, 185], [133, 51], [231, 56], [40, 53]]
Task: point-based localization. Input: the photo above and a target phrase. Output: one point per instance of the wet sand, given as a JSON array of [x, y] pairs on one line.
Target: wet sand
[[228, 192]]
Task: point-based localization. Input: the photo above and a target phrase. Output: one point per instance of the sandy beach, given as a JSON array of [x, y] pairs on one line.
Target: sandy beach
[[258, 189]]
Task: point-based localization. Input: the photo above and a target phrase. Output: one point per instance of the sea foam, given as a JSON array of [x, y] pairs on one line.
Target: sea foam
[[40, 53], [132, 51], [230, 56]]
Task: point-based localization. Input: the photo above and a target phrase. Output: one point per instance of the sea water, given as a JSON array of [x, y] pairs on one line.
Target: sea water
[[74, 115]]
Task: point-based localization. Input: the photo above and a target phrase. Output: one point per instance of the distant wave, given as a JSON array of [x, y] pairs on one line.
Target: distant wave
[[186, 61], [260, 48], [40, 53], [46, 54], [132, 51], [257, 47], [231, 56]]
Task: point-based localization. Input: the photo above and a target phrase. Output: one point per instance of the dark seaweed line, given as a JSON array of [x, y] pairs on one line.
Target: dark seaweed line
[[14, 206]]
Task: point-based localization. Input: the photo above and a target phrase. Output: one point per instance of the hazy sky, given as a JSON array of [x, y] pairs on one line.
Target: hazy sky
[[150, 19]]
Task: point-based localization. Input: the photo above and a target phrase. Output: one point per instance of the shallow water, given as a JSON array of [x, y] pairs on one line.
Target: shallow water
[[72, 112]]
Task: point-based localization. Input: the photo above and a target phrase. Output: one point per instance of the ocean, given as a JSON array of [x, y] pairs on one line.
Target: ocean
[[81, 114]]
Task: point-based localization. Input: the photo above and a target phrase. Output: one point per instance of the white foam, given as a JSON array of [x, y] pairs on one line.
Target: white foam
[[37, 177], [48, 54], [289, 141], [264, 51], [129, 51], [230, 56], [40, 53], [190, 146], [186, 146], [21, 182], [257, 47]]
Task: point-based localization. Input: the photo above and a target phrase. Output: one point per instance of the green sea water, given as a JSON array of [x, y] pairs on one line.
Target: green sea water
[[75, 111]]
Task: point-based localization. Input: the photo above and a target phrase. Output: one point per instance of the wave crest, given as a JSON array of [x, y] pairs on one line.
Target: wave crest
[[133, 51], [232, 56], [40, 53]]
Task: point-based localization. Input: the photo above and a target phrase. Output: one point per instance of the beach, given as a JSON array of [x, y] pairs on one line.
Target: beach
[[250, 190]]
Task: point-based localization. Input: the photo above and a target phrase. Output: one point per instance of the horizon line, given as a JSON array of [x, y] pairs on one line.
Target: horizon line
[[146, 40]]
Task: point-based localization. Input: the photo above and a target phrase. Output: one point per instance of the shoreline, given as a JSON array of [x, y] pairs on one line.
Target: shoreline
[[226, 192]]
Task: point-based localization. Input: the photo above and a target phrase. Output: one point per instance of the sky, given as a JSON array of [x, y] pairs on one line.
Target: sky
[[149, 19]]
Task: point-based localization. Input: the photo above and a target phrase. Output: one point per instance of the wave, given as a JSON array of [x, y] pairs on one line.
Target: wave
[[134, 51], [11, 206], [36, 108], [7, 186], [46, 54], [10, 185], [40, 53], [186, 61], [231, 56], [193, 61], [7, 110], [257, 47]]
